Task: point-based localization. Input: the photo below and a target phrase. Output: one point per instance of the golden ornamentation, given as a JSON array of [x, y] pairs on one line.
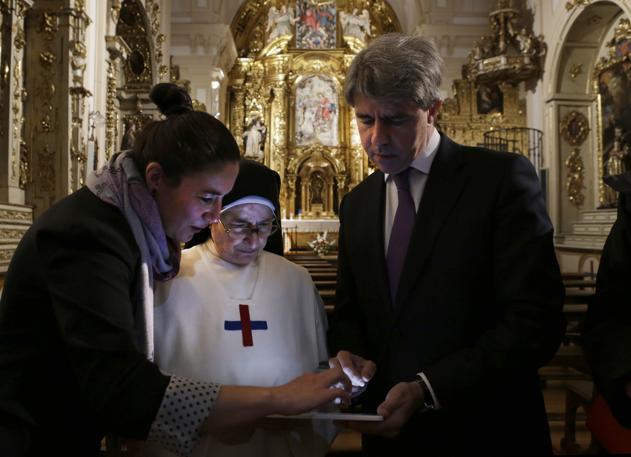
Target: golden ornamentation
[[575, 70], [46, 167], [574, 182], [132, 27], [159, 38], [12, 75], [18, 41], [115, 10], [47, 58], [118, 51], [463, 121], [263, 84], [610, 67], [79, 21], [571, 4], [511, 53], [25, 166], [574, 128], [199, 106], [49, 25]]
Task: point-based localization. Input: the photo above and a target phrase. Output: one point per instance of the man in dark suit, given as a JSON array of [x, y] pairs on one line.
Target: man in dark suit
[[607, 327], [447, 273]]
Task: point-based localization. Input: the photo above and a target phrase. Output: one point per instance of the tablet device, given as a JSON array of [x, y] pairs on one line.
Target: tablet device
[[332, 415]]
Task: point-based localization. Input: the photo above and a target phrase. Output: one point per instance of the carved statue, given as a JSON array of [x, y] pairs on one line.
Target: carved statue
[[526, 42], [129, 136], [280, 23], [253, 138], [615, 165], [356, 25], [316, 186]]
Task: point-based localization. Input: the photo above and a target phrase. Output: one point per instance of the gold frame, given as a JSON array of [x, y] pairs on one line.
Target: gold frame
[[622, 32]]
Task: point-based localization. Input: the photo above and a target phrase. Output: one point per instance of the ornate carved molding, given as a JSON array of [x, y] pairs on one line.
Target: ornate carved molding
[[133, 27], [14, 222], [571, 4], [467, 115], [512, 53], [46, 98], [12, 92], [159, 38], [78, 154], [574, 128], [118, 52]]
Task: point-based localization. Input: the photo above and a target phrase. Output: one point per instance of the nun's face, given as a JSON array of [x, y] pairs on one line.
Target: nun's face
[[241, 233]]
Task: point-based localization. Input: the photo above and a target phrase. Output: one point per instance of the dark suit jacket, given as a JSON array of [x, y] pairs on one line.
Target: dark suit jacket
[[478, 308], [69, 369], [607, 326]]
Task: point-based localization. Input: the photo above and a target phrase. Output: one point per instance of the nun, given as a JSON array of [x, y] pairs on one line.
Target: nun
[[240, 314]]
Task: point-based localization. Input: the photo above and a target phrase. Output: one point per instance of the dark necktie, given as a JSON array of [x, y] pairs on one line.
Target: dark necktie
[[401, 231]]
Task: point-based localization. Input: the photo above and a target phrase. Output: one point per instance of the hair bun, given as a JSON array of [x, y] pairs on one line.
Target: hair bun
[[171, 98]]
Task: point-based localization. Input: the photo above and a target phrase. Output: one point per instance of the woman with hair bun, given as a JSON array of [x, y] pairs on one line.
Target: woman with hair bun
[[76, 336]]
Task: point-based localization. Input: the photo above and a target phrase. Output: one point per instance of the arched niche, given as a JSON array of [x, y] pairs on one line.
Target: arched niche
[[317, 193], [575, 111]]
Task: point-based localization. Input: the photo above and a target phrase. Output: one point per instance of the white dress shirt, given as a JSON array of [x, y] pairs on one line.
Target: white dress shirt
[[418, 177]]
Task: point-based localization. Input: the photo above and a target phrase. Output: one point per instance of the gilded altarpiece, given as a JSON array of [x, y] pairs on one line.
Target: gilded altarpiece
[[466, 116], [293, 57]]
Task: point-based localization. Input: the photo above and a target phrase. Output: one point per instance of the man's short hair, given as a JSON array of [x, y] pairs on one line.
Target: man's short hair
[[396, 67]]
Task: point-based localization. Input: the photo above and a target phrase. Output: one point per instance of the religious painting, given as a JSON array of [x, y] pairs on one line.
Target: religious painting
[[316, 112], [490, 99], [316, 24], [614, 86]]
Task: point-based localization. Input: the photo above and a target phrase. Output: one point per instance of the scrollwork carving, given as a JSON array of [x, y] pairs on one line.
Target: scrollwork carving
[[574, 129]]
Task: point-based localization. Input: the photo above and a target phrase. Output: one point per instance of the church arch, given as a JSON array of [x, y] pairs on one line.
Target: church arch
[[573, 108]]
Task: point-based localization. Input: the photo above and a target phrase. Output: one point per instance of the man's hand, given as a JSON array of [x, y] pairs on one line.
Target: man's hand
[[358, 369], [400, 404]]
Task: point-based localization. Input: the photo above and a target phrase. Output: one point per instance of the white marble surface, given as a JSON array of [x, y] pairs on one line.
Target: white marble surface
[[311, 225]]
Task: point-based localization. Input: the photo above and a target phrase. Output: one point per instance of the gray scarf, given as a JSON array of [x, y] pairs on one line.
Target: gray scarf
[[119, 183]]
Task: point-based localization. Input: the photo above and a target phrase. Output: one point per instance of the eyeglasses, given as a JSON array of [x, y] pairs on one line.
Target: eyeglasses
[[239, 231]]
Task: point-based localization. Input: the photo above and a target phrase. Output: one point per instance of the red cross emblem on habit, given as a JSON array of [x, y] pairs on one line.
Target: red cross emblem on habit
[[245, 325]]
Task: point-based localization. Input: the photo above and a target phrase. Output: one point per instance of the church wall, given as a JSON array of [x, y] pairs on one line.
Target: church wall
[[60, 143], [575, 34]]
